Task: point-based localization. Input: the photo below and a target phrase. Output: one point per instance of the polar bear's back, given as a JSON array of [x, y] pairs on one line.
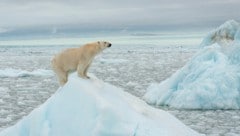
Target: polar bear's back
[[67, 59]]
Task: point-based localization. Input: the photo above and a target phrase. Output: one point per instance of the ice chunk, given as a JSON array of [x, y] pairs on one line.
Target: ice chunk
[[210, 80], [93, 108], [9, 72], [114, 61]]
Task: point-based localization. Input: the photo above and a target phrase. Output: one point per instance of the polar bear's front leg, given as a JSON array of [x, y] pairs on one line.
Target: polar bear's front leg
[[85, 71], [80, 70]]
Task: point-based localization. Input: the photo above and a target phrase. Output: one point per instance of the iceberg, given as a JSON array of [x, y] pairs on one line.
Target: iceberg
[[210, 80], [94, 108]]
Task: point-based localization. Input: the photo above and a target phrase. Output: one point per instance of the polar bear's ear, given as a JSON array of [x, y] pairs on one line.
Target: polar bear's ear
[[98, 42]]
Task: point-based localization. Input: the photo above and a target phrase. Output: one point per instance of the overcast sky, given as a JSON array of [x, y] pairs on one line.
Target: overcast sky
[[115, 14]]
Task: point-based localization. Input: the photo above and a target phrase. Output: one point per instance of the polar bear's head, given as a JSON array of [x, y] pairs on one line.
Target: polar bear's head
[[103, 44]]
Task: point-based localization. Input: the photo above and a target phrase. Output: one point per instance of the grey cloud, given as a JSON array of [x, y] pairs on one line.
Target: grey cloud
[[116, 14]]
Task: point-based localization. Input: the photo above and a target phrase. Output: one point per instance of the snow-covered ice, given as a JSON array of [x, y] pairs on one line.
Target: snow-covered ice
[[92, 107], [9, 72], [210, 80]]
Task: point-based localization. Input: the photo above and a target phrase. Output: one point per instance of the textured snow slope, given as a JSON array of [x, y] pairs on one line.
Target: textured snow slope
[[91, 107]]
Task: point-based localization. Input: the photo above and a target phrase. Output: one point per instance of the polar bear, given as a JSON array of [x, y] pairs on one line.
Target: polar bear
[[76, 59]]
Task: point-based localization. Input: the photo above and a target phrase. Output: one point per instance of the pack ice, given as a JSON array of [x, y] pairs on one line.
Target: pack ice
[[94, 108], [210, 80], [9, 72]]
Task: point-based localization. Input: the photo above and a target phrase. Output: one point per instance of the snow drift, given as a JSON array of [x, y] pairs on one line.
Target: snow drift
[[9, 72], [210, 80], [93, 108]]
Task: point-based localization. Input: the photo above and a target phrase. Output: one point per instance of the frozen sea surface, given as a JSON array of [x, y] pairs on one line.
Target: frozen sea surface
[[132, 68]]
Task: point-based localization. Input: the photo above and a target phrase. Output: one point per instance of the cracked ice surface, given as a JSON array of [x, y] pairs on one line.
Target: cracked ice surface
[[129, 67]]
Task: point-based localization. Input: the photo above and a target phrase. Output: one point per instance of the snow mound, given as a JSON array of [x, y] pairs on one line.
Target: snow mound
[[224, 35], [210, 80], [93, 108], [9, 72]]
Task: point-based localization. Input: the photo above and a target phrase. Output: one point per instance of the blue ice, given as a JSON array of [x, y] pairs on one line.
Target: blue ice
[[210, 80]]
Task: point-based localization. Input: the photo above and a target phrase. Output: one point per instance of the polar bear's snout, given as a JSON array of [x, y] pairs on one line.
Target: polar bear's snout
[[109, 45]]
